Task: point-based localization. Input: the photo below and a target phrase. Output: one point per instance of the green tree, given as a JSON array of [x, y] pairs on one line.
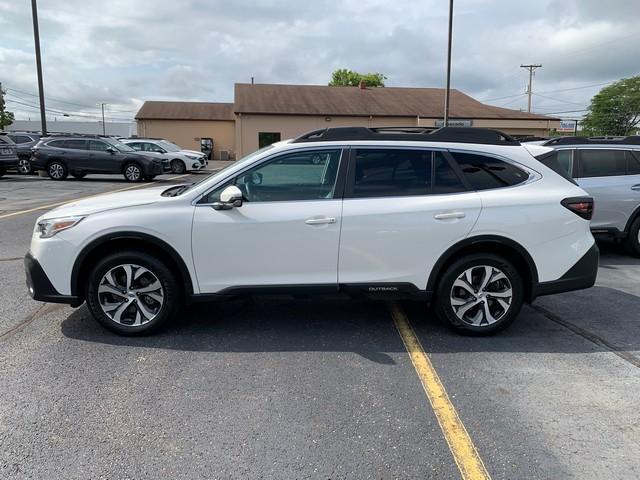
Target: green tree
[[614, 110], [6, 117], [348, 78]]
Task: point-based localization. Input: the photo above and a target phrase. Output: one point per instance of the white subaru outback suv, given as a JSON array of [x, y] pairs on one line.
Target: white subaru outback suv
[[466, 219]]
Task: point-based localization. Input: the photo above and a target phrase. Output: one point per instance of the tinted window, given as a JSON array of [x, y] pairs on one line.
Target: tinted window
[[136, 146], [97, 145], [22, 139], [633, 163], [56, 144], [392, 173], [309, 175], [601, 163], [75, 144], [445, 179], [484, 172]]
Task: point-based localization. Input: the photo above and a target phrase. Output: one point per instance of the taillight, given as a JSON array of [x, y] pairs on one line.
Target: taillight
[[581, 206]]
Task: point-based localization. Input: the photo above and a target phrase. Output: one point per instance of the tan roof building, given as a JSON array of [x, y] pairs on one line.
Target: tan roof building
[[264, 113]]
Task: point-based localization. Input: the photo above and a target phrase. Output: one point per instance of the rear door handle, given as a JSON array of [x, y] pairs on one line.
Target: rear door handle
[[320, 221], [636, 187], [447, 215]]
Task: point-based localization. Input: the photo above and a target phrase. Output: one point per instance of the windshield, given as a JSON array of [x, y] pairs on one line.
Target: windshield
[[170, 147], [119, 145], [246, 159]]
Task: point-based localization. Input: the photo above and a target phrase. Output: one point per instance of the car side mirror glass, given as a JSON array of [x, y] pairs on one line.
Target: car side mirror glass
[[229, 197], [111, 150]]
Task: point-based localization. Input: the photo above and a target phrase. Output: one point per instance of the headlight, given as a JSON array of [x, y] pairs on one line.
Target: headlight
[[49, 227]]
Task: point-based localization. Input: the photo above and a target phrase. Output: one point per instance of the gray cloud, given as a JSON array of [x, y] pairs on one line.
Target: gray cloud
[[124, 52]]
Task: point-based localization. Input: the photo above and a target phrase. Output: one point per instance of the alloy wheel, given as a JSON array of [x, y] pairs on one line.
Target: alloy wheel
[[24, 166], [132, 173], [481, 295], [130, 295], [56, 171]]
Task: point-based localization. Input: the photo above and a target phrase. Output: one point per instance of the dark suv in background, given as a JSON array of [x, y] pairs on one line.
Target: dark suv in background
[[8, 156], [79, 155], [24, 141]]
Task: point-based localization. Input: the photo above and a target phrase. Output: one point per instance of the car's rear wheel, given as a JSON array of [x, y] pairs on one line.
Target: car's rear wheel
[[132, 172], [2, 171], [632, 242], [178, 166], [24, 166], [132, 293], [57, 170], [479, 294]]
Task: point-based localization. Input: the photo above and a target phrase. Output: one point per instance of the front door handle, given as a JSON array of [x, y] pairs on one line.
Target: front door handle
[[636, 187], [320, 221], [448, 215]]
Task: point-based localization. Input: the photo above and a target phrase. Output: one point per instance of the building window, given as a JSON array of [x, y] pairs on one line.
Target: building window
[[267, 138]]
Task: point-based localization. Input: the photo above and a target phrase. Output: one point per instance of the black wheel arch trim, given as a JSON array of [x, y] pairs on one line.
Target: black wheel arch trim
[[497, 240], [144, 237], [631, 219]]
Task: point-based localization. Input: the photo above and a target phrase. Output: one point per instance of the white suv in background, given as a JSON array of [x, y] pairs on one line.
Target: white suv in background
[[180, 160], [464, 218]]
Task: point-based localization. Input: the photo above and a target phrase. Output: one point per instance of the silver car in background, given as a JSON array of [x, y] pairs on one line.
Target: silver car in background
[[181, 160], [609, 169]]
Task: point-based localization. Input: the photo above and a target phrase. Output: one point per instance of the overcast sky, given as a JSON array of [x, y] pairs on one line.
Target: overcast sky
[[123, 52]]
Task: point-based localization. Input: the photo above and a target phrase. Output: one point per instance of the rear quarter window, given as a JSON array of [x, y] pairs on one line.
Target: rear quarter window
[[601, 163], [484, 173]]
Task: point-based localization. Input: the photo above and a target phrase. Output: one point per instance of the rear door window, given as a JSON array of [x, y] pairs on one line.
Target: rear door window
[[483, 172], [75, 144], [601, 163], [98, 146]]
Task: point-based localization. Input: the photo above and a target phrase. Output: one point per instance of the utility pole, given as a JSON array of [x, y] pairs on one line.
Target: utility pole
[[446, 94], [36, 37], [531, 68], [104, 130]]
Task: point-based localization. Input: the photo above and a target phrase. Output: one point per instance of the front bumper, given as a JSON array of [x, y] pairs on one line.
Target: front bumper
[[40, 287], [582, 275]]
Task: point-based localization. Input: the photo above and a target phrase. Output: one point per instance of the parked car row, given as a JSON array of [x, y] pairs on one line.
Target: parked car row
[[61, 155]]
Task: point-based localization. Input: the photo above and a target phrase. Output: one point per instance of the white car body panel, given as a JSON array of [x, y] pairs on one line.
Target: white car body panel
[[266, 244], [398, 239]]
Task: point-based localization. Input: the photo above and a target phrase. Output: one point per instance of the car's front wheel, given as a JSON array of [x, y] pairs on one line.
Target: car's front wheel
[[479, 294], [178, 166], [132, 172], [57, 170], [132, 293]]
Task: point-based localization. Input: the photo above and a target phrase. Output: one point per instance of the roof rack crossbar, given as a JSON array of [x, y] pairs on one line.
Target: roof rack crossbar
[[411, 133]]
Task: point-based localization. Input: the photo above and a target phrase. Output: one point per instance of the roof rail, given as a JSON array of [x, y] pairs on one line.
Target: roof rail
[[84, 135], [412, 134], [628, 140]]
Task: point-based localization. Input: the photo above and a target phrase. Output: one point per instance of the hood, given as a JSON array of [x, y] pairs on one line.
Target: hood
[[107, 201], [192, 152]]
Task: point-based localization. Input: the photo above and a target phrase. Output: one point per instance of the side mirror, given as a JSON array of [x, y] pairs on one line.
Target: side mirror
[[111, 150], [230, 197]]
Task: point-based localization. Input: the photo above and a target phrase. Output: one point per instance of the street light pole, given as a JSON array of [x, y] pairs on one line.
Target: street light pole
[[104, 130], [36, 37], [448, 89]]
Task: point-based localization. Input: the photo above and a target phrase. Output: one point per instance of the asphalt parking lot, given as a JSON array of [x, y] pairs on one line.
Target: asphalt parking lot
[[313, 388]]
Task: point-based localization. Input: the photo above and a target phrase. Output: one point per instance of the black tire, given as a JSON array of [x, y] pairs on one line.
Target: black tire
[[57, 170], [632, 242], [484, 302], [78, 174], [164, 314], [2, 171], [24, 166], [132, 172], [177, 166]]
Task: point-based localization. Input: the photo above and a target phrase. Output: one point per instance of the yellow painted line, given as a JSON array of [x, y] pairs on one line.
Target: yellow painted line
[[464, 451], [52, 205]]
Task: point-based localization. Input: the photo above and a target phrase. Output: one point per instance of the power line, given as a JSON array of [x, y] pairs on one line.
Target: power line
[[558, 100]]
